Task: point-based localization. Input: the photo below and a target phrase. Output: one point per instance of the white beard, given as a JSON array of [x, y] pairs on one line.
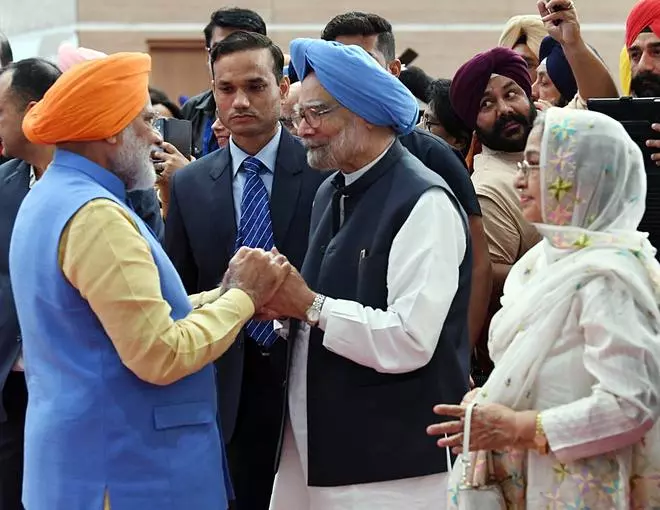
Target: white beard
[[132, 162]]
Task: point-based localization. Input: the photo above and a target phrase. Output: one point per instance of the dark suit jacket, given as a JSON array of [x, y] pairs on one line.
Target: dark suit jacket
[[14, 185], [199, 110], [200, 233]]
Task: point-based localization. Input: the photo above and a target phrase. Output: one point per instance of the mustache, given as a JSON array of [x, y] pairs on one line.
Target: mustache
[[503, 121]]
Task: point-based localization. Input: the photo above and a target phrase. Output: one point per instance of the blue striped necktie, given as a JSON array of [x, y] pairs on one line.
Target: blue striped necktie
[[256, 231]]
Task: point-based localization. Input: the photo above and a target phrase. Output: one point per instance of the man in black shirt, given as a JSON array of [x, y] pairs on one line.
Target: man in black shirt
[[374, 35]]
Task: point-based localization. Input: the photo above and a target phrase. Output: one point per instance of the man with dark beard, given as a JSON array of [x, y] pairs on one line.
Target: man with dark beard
[[491, 94], [643, 43]]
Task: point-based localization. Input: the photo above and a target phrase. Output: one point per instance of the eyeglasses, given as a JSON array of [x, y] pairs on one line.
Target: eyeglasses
[[429, 122], [525, 168], [313, 115]]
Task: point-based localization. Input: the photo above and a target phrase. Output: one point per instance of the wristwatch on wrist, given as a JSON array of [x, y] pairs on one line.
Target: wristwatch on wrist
[[540, 439], [313, 313]]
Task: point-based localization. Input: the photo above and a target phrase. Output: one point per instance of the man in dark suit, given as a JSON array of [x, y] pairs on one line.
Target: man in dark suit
[[22, 84], [257, 192], [6, 58]]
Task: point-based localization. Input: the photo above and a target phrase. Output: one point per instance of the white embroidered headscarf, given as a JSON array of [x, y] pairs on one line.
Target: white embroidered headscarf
[[593, 188]]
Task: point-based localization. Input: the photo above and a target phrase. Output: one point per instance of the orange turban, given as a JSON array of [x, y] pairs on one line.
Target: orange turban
[[92, 101]]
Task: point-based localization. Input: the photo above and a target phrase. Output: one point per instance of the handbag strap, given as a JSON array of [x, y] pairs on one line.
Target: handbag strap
[[465, 456]]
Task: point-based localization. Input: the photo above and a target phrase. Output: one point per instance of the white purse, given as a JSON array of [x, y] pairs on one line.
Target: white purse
[[485, 497]]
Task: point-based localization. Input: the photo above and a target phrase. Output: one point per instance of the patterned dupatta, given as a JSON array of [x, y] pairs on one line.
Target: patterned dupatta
[[593, 197]]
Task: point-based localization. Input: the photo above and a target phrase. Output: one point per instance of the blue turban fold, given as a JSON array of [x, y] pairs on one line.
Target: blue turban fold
[[357, 82], [559, 70]]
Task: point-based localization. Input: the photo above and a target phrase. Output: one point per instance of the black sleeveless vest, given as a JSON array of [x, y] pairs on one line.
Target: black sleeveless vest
[[365, 426]]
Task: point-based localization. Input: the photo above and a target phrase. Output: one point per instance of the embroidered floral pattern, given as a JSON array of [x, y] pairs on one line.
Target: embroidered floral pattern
[[591, 484], [583, 241], [563, 130], [560, 187], [561, 215]]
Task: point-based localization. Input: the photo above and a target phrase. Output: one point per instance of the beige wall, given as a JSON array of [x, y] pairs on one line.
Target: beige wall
[[37, 27], [444, 32]]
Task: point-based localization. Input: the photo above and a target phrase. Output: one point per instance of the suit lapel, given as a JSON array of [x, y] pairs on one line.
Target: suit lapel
[[15, 185], [221, 198], [287, 182]]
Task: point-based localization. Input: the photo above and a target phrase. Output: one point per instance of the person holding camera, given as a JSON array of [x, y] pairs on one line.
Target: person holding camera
[[642, 43]]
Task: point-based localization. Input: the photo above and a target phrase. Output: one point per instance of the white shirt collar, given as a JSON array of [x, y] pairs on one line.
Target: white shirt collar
[[354, 176], [33, 177], [267, 155]]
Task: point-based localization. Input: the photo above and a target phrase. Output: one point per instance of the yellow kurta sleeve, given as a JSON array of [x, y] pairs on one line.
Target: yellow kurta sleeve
[[105, 257], [204, 298]]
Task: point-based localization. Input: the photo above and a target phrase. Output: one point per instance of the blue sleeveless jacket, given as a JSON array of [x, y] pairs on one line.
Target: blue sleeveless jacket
[[92, 425]]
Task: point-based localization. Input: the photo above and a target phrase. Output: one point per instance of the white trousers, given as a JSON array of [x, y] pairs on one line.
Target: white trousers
[[290, 491]]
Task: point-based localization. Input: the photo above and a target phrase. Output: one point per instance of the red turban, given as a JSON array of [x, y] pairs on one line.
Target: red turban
[[470, 82], [92, 101], [645, 14]]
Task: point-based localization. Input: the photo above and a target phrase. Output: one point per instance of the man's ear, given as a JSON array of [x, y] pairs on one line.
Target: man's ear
[[394, 67], [29, 106], [285, 84]]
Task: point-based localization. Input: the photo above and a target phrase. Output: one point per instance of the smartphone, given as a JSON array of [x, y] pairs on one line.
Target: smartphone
[[408, 56], [177, 132], [559, 8]]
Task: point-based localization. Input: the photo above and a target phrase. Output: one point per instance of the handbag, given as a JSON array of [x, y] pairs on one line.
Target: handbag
[[469, 496]]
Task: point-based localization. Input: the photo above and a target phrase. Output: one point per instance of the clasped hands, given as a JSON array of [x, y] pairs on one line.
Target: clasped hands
[[275, 287]]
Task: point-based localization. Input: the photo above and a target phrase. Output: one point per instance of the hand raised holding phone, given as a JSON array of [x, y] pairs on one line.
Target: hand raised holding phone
[[561, 20]]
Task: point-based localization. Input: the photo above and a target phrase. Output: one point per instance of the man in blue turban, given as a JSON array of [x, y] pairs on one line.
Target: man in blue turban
[[555, 83], [387, 273]]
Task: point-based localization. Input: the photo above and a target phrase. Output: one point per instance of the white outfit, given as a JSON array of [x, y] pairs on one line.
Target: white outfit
[[422, 279], [578, 334]]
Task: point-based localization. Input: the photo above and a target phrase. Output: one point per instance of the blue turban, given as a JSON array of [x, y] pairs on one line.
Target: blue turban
[[357, 82], [559, 70]]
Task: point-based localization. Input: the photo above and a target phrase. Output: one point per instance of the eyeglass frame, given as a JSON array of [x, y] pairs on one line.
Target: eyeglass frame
[[524, 167], [427, 123], [301, 113]]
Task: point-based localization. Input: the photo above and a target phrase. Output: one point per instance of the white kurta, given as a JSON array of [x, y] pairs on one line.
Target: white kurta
[[422, 279], [606, 400]]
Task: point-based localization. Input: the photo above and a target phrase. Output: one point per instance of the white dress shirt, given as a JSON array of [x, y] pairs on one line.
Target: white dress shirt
[[267, 156], [422, 279]]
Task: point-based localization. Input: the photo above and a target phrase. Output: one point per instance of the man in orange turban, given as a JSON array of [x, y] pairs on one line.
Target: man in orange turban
[[122, 404]]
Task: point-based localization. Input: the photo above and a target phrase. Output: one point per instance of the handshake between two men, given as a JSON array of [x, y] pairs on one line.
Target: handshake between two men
[[276, 287]]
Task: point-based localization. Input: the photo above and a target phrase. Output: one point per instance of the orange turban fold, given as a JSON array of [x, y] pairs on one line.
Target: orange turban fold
[[92, 101]]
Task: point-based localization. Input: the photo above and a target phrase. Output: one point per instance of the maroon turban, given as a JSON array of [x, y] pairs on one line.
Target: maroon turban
[[470, 82]]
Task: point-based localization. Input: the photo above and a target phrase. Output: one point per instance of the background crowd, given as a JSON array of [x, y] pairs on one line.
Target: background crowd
[[348, 251]]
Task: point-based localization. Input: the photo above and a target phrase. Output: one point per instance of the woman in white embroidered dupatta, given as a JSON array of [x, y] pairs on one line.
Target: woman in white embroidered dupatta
[[576, 345]]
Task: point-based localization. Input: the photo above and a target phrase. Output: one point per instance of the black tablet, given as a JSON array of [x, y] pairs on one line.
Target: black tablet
[[636, 115]]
